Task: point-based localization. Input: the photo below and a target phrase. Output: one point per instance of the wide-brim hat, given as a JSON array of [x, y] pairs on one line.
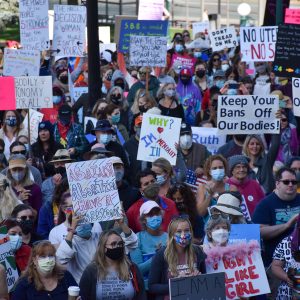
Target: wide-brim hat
[[104, 126], [229, 204], [97, 150], [61, 155]]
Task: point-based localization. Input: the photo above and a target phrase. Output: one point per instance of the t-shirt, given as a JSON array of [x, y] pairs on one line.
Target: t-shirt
[[274, 211], [58, 234]]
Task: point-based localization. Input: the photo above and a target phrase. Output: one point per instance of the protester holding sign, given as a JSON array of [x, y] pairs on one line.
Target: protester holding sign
[[262, 82]]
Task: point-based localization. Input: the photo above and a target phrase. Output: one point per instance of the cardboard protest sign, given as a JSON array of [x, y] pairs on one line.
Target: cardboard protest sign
[[178, 62], [18, 62], [258, 43], [151, 10], [223, 38], [69, 30], [34, 25], [204, 286], [200, 27], [296, 96], [7, 93], [248, 114], [242, 263], [35, 118], [141, 28], [7, 259], [93, 190], [292, 16], [146, 51], [33, 92], [159, 134], [209, 137], [287, 54]]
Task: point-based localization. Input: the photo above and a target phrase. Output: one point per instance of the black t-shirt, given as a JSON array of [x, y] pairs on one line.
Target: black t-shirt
[[176, 112]]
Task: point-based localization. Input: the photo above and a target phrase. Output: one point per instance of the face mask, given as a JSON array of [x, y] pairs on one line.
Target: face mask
[[142, 108], [115, 253], [232, 92], [60, 170], [200, 73], [115, 119], [161, 179], [65, 120], [217, 174], [105, 138], [26, 147], [151, 191], [26, 226], [197, 54], [170, 93], [138, 131], [18, 176], [220, 83], [220, 236], [261, 69], [185, 142], [298, 176], [11, 122], [180, 206], [154, 222], [119, 174], [184, 240], [179, 48], [15, 242], [120, 84], [56, 99], [84, 230], [225, 67], [47, 264], [185, 80], [116, 99], [64, 79]]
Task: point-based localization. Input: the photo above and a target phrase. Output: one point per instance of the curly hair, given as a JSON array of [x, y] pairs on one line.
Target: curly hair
[[208, 163]]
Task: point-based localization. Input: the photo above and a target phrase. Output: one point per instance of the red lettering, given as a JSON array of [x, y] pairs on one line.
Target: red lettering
[[255, 54], [252, 290], [250, 259], [240, 261], [229, 263], [236, 274], [243, 274], [228, 280], [251, 272], [241, 289], [271, 49], [231, 294]]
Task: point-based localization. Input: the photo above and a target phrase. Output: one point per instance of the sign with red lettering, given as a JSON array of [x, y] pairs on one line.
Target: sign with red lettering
[[245, 275], [292, 16], [179, 62], [258, 43]]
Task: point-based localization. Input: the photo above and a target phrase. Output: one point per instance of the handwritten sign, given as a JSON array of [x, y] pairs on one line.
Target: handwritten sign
[[287, 55], [159, 134], [34, 25], [151, 10], [258, 43], [7, 93], [200, 287], [35, 118], [296, 96], [69, 30], [292, 16], [223, 38], [140, 28], [179, 62], [209, 137], [33, 92], [18, 62], [7, 259], [248, 114], [200, 27], [148, 51], [94, 191]]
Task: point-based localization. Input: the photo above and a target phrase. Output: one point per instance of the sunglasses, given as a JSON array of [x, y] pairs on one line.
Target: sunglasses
[[117, 244], [24, 218], [287, 182], [216, 59], [283, 120], [23, 152]]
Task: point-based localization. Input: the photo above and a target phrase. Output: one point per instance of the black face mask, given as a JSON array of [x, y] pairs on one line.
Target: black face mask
[[63, 79], [185, 80], [116, 99], [200, 73], [60, 170], [120, 84], [65, 120], [180, 206], [26, 226], [115, 253], [142, 108]]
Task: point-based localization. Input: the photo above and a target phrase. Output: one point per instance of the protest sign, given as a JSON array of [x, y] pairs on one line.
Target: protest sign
[[245, 273], [244, 233], [35, 118], [69, 30], [248, 114], [7, 93], [245, 210], [151, 10], [223, 38], [33, 92], [200, 287], [296, 96], [200, 27], [178, 62], [158, 137], [18, 62], [271, 8], [34, 25], [7, 259], [141, 28], [287, 54], [118, 20], [292, 16], [209, 137], [258, 43], [93, 190], [148, 51]]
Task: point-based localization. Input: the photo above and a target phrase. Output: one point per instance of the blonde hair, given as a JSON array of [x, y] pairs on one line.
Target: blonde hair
[[125, 104], [171, 255], [247, 141], [101, 262], [164, 164], [139, 94]]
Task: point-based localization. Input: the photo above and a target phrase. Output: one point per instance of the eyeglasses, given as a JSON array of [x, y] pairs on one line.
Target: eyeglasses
[[216, 215], [24, 218], [116, 244], [23, 152], [283, 120], [216, 59], [287, 182]]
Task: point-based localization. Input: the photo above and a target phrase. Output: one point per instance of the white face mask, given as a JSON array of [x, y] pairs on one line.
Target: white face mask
[[185, 142], [220, 236]]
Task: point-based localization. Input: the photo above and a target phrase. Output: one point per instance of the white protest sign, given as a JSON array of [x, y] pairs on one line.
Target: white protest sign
[[18, 62], [34, 24], [158, 137], [148, 51], [248, 114], [200, 27], [258, 43], [209, 137], [223, 38], [69, 30], [7, 259], [35, 118], [33, 92], [151, 10], [296, 96], [94, 190]]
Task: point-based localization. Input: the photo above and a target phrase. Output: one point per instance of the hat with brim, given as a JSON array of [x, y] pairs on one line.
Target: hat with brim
[[229, 204], [61, 155], [103, 126], [17, 163], [147, 207], [98, 150]]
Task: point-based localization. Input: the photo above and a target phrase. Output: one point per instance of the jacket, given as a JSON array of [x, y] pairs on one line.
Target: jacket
[[46, 220]]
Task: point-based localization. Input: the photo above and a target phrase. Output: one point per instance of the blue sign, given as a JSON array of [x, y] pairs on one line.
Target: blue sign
[[244, 232], [140, 27]]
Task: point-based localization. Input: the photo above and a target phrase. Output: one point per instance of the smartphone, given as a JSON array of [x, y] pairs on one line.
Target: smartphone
[[233, 86], [282, 104]]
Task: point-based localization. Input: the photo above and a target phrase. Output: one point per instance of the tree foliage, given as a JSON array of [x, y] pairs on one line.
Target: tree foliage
[[9, 13]]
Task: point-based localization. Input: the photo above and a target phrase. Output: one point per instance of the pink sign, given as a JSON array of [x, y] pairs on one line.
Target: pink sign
[[292, 16], [179, 62], [7, 93]]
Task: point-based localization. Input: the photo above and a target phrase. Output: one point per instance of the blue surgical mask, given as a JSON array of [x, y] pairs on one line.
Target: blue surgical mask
[[105, 138], [11, 121], [183, 240], [197, 54], [154, 222], [18, 176], [217, 174], [84, 230], [170, 93], [161, 179], [115, 119], [179, 48], [232, 92], [56, 99], [15, 242], [220, 83], [119, 174]]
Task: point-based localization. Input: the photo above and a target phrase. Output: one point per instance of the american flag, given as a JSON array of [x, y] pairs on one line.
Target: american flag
[[193, 181]]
